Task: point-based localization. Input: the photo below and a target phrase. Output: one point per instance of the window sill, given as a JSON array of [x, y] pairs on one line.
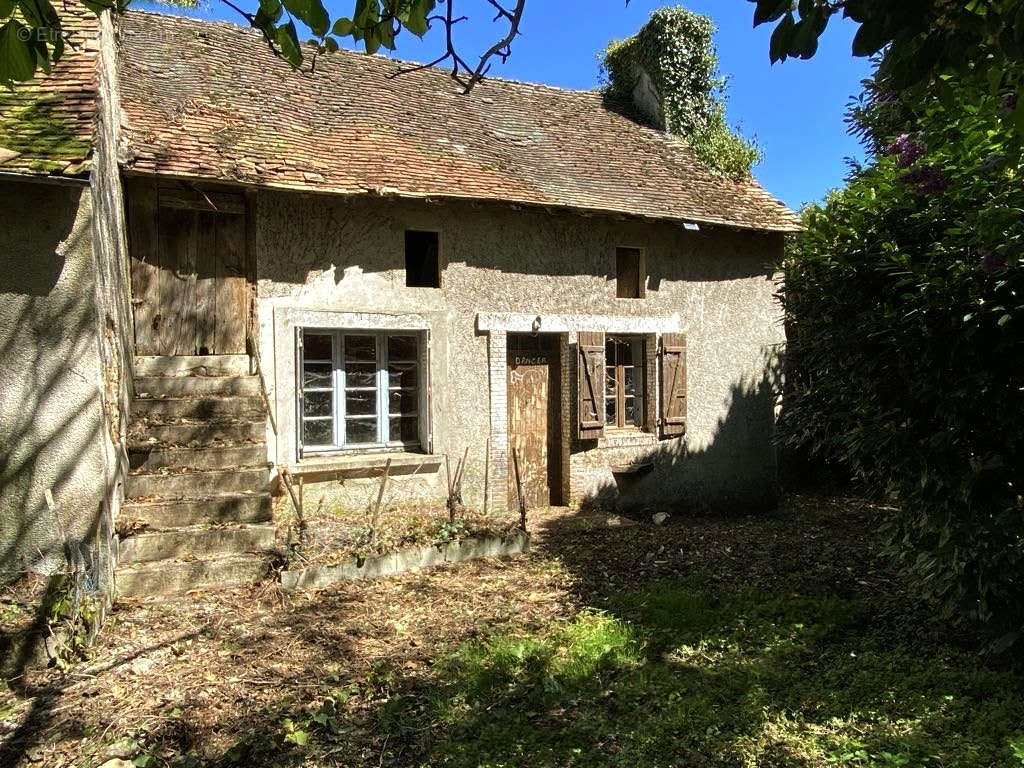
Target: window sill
[[626, 438], [347, 465]]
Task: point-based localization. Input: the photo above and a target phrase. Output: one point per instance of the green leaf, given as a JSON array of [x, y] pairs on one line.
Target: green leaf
[[342, 27], [870, 38], [770, 10], [414, 16], [271, 9], [288, 43], [17, 56], [299, 738], [311, 13], [782, 38]]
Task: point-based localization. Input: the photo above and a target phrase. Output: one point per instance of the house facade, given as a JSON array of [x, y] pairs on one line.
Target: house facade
[[367, 270]]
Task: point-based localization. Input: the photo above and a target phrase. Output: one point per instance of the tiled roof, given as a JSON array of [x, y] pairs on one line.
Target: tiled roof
[[46, 124], [209, 100]]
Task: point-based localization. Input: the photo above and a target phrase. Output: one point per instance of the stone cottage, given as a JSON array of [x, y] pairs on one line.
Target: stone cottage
[[220, 272]]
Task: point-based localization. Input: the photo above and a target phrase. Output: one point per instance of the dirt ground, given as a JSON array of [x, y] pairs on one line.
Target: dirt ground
[[214, 679]]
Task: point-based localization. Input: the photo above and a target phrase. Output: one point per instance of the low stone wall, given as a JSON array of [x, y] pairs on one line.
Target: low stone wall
[[406, 559]]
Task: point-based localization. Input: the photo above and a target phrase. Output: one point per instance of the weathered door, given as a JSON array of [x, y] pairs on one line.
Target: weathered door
[[533, 419], [191, 278]]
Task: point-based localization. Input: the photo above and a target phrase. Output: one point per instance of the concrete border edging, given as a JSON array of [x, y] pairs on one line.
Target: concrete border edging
[[403, 560]]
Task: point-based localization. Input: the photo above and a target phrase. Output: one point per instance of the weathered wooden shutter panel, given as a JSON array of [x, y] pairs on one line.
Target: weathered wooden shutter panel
[[673, 385], [299, 390], [430, 394], [650, 389], [591, 384]]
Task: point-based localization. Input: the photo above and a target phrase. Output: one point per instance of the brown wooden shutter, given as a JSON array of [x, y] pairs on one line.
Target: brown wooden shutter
[[673, 385], [591, 384]]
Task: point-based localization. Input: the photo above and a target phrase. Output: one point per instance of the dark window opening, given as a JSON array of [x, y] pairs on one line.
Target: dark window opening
[[629, 277], [422, 265]]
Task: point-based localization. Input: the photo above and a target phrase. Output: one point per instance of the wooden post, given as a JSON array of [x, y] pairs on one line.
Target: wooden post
[[519, 490], [375, 523]]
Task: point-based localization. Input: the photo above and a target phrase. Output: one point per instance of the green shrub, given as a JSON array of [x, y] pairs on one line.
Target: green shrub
[[904, 302], [676, 49]]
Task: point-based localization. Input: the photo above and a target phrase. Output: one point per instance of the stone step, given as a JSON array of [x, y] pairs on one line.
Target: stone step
[[152, 458], [220, 508], [194, 485], [201, 434], [192, 365], [193, 386], [195, 407], [174, 576], [200, 542]]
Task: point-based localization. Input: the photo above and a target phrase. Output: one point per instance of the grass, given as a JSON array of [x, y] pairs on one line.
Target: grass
[[673, 675], [760, 641]]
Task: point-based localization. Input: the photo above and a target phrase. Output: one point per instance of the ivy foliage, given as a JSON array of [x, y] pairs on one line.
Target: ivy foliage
[[905, 315], [675, 48]]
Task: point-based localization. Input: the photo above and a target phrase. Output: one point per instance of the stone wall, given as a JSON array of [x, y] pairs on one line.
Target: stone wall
[[329, 254], [52, 421]]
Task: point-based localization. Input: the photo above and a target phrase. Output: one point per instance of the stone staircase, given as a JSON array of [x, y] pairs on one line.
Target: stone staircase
[[197, 510]]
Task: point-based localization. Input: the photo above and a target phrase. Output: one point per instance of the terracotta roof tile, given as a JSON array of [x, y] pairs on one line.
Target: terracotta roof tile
[[208, 100], [46, 124]]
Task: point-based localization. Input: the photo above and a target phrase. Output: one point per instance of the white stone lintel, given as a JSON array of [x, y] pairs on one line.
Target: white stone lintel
[[521, 322]]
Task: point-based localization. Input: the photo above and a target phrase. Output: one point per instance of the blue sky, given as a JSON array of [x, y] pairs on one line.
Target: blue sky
[[794, 109]]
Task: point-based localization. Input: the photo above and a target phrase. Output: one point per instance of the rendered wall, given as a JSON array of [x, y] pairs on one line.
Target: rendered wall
[[51, 415], [332, 254]]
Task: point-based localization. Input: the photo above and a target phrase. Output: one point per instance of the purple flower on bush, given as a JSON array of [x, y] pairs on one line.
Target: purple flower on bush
[[1009, 102], [907, 149], [927, 179], [990, 262]]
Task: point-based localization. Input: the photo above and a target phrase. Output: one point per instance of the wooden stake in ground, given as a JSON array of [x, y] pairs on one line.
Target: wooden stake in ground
[[375, 522], [519, 490]]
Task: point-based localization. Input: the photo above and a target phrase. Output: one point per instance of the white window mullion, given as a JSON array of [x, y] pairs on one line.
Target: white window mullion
[[383, 392], [339, 388]]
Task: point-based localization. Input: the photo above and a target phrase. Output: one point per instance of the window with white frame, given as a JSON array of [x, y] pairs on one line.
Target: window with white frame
[[359, 389]]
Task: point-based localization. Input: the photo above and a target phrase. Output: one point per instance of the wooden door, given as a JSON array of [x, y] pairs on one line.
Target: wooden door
[[534, 425], [191, 277]]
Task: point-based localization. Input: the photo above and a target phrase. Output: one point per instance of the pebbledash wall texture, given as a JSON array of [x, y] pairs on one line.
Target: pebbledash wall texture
[[324, 261]]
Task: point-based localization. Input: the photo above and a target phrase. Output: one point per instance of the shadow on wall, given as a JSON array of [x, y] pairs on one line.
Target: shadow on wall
[[51, 416], [736, 470], [299, 235]]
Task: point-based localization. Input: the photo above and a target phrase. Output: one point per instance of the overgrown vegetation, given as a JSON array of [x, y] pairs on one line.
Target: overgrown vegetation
[[742, 641], [904, 300], [675, 49]]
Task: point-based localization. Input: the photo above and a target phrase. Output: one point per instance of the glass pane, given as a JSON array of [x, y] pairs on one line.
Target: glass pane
[[360, 375], [609, 381], [405, 429], [629, 379], [318, 432], [316, 346], [609, 351], [361, 403], [609, 411], [360, 348], [318, 404], [632, 413], [317, 375], [360, 430], [402, 348], [403, 374], [404, 401]]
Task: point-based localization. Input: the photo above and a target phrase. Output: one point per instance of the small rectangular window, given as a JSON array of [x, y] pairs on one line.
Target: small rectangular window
[[422, 264], [629, 273], [624, 382], [360, 389]]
